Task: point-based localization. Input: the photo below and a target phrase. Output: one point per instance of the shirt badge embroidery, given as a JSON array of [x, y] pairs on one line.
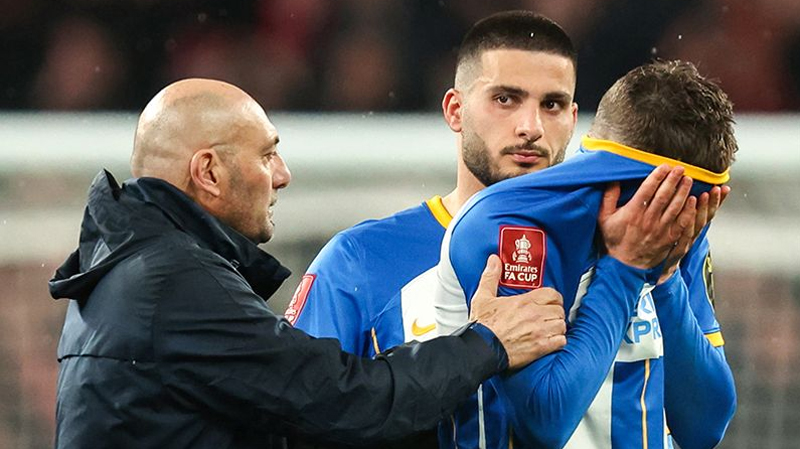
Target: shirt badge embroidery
[[522, 253]]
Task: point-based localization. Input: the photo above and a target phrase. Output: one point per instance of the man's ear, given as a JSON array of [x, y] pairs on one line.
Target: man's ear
[[451, 109], [574, 114], [205, 170]]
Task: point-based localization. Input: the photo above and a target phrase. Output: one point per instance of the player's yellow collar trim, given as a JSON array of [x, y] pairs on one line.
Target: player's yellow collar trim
[[439, 212], [655, 160]]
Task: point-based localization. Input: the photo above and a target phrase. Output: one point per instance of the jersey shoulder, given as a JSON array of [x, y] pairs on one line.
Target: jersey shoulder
[[395, 228], [358, 272]]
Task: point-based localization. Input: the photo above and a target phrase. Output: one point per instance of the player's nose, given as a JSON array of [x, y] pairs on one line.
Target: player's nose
[[529, 125], [281, 176]]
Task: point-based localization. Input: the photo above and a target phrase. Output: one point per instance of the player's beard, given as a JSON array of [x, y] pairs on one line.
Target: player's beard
[[477, 158]]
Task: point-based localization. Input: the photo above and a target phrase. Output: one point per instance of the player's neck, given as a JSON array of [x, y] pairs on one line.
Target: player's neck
[[466, 186]]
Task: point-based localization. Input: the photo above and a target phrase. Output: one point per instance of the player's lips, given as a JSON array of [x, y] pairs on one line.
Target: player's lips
[[527, 157]]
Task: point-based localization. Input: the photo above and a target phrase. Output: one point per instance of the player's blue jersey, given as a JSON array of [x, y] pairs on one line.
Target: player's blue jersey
[[636, 356], [347, 292]]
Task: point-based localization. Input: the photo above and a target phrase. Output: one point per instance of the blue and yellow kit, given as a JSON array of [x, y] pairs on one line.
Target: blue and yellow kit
[[643, 364], [372, 285]]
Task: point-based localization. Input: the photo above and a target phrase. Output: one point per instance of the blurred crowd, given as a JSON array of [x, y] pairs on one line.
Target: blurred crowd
[[376, 55]]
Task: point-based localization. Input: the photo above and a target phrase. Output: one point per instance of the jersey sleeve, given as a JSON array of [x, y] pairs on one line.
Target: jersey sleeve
[[537, 244], [547, 399], [698, 380], [697, 273], [330, 300]]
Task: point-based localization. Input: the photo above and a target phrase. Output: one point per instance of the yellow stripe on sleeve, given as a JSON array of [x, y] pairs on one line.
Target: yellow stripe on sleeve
[[375, 341], [716, 339], [644, 404]]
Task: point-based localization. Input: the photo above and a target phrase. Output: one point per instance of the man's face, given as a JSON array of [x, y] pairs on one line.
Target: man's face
[[255, 171], [518, 115]]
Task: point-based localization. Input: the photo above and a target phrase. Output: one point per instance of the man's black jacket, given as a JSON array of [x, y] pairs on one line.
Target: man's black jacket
[[168, 342]]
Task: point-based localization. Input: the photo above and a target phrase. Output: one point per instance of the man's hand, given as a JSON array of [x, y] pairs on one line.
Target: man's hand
[[707, 206], [529, 325], [644, 231]]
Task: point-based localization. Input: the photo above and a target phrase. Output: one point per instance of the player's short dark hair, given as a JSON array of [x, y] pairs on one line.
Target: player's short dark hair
[[516, 30], [668, 108]]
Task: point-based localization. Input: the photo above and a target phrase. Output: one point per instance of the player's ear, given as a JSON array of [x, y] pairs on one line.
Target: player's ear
[[574, 114], [206, 171], [451, 109]]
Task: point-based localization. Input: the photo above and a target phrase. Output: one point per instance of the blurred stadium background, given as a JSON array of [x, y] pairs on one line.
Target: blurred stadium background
[[355, 86]]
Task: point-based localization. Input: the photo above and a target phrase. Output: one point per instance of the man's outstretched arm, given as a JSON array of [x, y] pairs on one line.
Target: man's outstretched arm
[[236, 360]]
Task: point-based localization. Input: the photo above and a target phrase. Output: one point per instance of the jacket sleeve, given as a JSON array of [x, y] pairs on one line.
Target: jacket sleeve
[[698, 380], [221, 351], [335, 301]]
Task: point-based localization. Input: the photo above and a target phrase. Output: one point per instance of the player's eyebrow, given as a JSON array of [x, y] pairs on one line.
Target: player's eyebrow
[[509, 90], [558, 96], [271, 144]]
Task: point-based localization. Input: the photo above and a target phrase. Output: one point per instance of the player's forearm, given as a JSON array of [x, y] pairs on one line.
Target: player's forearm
[[552, 394], [698, 379]]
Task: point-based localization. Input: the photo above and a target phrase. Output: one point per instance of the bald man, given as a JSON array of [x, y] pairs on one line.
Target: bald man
[[168, 342], [203, 125]]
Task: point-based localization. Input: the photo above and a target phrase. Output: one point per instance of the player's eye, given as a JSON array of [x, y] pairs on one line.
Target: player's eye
[[504, 100]]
